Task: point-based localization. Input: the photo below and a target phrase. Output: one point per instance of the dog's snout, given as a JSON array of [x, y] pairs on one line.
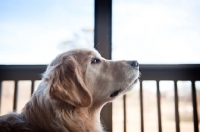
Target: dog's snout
[[134, 63]]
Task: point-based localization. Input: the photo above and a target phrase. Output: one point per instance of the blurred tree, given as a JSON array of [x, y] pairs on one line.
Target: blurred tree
[[81, 39]]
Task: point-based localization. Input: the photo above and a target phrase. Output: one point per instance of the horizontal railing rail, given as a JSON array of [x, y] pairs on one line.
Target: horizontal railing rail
[[21, 72], [170, 72], [175, 73]]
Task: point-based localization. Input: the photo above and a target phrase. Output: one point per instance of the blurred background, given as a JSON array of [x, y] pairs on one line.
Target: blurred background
[[153, 32]]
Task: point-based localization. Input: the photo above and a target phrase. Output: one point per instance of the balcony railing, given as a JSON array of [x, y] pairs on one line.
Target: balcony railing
[[149, 72]]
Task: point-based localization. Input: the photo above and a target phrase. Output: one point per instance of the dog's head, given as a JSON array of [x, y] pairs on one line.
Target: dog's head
[[82, 77]]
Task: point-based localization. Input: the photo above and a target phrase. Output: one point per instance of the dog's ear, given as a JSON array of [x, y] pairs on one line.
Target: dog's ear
[[66, 83]]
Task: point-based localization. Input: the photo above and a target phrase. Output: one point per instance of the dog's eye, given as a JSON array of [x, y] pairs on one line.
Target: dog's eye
[[95, 61]]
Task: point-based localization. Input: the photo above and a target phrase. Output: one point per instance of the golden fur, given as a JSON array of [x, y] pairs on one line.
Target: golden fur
[[74, 88]]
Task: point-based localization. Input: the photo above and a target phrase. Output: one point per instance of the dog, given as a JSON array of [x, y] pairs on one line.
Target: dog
[[74, 88]]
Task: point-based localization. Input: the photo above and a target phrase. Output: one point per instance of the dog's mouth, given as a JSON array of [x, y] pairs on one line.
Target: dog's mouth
[[115, 93], [135, 81]]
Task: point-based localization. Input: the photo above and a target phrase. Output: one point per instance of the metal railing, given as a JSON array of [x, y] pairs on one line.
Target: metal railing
[[173, 73], [149, 72], [17, 73]]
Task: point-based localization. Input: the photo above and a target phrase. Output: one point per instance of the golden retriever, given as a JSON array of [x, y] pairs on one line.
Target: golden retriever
[[74, 88]]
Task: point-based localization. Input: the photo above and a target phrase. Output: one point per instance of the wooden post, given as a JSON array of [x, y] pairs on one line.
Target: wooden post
[[102, 40]]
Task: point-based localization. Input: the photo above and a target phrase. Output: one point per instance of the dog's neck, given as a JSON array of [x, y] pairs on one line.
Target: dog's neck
[[84, 119], [75, 119], [51, 116]]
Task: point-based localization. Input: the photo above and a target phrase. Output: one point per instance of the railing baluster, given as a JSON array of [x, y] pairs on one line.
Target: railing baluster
[[124, 105], [176, 107], [15, 96], [194, 103], [158, 106], [32, 86], [141, 107], [0, 95]]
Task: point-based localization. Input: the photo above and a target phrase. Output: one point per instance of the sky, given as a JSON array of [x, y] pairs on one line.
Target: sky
[[150, 31], [33, 32], [157, 31]]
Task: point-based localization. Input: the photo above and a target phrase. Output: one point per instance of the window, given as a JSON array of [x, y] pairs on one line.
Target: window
[[34, 32], [156, 32]]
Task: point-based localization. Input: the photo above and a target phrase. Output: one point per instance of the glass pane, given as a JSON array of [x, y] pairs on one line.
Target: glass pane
[[7, 97], [185, 106], [152, 31], [24, 94], [150, 106], [133, 110], [167, 106], [118, 115], [34, 32], [36, 85], [197, 85]]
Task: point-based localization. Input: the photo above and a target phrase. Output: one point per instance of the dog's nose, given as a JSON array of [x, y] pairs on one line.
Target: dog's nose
[[134, 63]]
